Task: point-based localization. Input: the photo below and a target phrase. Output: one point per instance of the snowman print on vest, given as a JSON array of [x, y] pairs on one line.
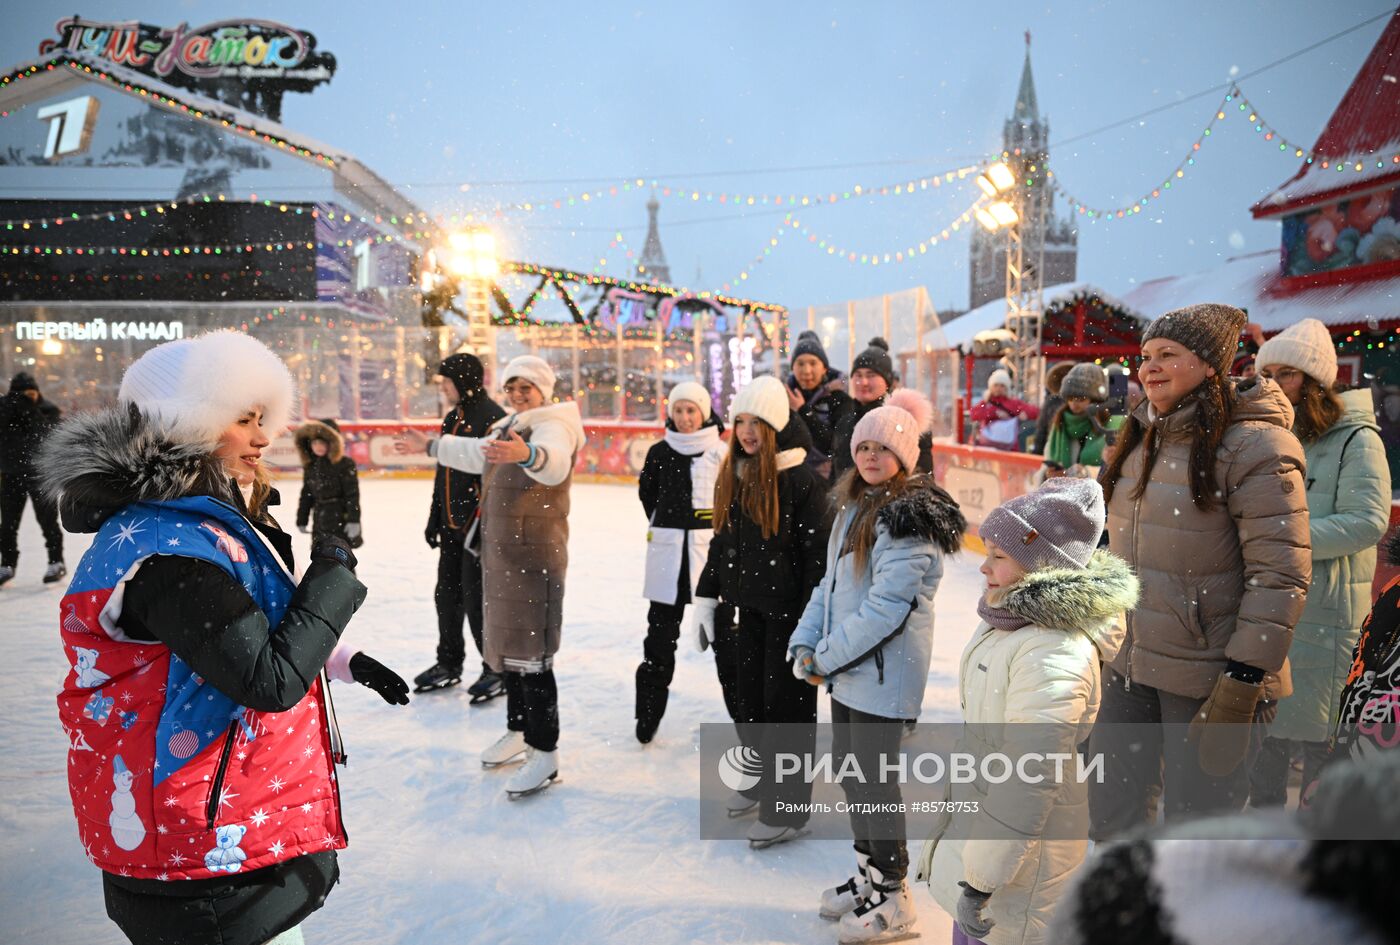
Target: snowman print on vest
[[89, 676], [127, 829]]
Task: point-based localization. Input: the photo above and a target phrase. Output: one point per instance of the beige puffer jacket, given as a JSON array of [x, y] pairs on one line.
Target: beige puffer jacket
[[1218, 585]]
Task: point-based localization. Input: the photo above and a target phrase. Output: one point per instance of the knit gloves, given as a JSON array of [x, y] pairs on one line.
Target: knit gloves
[[970, 918], [703, 622]]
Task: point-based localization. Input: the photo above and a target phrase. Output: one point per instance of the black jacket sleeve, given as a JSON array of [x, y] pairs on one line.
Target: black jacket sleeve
[[708, 585], [307, 500], [349, 489], [209, 621], [813, 527], [649, 483], [819, 429], [925, 463]]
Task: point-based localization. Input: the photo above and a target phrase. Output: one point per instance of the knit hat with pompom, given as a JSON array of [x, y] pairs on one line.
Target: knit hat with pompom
[[897, 426]]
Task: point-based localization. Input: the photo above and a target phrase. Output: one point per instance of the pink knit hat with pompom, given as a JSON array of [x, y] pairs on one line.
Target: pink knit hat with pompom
[[897, 426]]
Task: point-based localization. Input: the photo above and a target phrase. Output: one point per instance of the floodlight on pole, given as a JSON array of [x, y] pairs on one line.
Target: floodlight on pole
[[986, 219], [997, 179]]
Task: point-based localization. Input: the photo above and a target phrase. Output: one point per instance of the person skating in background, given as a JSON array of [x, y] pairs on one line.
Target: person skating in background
[[25, 419], [817, 393], [1050, 404], [205, 791], [998, 415], [1030, 686], [1348, 494], [457, 594], [1208, 504], [767, 554], [677, 489], [330, 485], [867, 634], [1081, 426], [872, 379], [526, 461]]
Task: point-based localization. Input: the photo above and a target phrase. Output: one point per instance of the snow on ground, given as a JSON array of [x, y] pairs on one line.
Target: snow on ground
[[437, 854]]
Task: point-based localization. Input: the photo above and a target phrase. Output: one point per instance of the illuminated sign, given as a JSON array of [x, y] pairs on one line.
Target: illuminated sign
[[70, 125], [248, 63]]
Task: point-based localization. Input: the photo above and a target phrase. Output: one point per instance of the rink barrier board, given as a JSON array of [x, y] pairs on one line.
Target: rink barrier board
[[980, 479]]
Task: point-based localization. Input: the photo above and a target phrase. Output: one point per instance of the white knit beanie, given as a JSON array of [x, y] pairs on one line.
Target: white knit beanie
[[692, 392], [1306, 346], [765, 398], [194, 388], [535, 370], [1000, 376]]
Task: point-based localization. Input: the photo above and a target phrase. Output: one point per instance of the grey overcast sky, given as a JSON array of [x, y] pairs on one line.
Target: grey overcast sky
[[446, 98]]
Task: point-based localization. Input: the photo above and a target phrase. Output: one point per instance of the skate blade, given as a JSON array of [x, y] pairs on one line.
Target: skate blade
[[780, 839], [736, 814], [882, 939], [517, 795], [438, 686], [512, 760], [479, 699]]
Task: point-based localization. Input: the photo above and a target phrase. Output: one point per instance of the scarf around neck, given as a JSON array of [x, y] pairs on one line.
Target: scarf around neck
[[999, 617], [692, 444]]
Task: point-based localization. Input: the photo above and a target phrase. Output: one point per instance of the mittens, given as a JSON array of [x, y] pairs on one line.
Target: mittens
[[1221, 725], [703, 622]]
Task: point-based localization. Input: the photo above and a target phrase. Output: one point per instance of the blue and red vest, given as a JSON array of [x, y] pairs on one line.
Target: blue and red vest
[[170, 778]]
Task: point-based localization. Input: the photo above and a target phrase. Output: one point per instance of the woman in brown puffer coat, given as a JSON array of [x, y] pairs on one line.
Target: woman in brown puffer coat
[[1206, 502]]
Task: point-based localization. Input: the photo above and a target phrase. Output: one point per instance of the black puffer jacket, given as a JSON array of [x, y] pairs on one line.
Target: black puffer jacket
[[666, 489], [776, 575], [23, 426], [456, 493], [330, 485], [841, 459]]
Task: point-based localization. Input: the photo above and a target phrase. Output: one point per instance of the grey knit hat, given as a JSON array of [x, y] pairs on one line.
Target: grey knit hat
[[1210, 330], [1056, 526], [809, 343], [1085, 380]]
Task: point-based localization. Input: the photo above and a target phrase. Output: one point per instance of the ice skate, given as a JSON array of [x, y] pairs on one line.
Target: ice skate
[[6, 572], [847, 897], [541, 769], [438, 677], [55, 571], [886, 916], [762, 836], [740, 806], [488, 686], [508, 748]]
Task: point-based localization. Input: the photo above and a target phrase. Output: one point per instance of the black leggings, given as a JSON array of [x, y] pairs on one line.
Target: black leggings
[[872, 739], [532, 707]]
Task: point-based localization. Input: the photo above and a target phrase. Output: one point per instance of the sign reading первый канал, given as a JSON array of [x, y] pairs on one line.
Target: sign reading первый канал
[[258, 56]]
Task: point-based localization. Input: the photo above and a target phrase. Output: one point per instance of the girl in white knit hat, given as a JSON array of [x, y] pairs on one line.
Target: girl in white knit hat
[[768, 553], [677, 489], [867, 634], [1348, 486], [526, 463]]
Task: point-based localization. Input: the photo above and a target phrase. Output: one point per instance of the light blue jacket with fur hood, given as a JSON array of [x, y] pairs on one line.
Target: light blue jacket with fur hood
[[1029, 693], [871, 632]]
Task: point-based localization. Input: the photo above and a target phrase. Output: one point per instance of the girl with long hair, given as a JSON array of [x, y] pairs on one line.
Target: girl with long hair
[[767, 554], [867, 634]]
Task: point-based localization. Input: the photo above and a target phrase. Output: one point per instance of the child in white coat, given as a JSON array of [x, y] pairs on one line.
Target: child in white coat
[[1029, 683]]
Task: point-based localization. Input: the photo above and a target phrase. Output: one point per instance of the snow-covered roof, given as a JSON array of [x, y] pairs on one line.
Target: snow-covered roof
[[353, 179], [1254, 283], [960, 331], [1359, 149]]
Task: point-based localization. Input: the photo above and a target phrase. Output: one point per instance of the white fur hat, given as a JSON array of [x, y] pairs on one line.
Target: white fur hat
[[535, 370], [692, 392], [195, 387], [765, 398], [1306, 346], [999, 376]]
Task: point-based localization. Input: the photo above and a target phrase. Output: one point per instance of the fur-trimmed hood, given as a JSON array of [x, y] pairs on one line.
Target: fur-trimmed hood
[[316, 430], [922, 509], [1086, 599], [95, 464]]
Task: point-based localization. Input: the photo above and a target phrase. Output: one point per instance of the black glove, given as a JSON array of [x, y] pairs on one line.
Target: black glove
[[334, 548], [431, 536], [368, 671], [970, 918]]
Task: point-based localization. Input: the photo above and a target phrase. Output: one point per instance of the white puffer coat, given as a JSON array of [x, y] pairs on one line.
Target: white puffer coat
[[1032, 690]]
